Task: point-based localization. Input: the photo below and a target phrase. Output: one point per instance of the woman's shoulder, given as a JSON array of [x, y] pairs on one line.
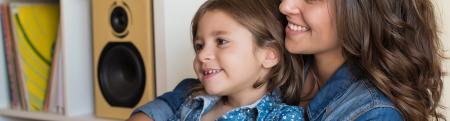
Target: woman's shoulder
[[363, 100], [365, 92], [380, 114]]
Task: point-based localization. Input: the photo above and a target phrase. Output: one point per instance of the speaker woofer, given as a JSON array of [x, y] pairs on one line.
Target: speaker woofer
[[121, 74]]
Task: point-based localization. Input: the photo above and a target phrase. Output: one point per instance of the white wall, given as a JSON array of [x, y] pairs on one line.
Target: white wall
[[443, 12], [174, 53]]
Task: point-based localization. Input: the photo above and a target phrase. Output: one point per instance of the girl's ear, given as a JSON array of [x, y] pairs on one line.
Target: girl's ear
[[271, 57]]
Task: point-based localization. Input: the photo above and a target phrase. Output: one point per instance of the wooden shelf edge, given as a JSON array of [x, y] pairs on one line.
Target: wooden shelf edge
[[48, 116]]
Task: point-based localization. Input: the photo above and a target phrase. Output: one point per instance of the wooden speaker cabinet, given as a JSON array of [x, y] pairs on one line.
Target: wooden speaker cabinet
[[123, 56]]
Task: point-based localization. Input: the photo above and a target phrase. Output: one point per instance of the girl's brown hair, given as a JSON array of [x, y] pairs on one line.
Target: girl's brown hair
[[394, 43], [261, 18]]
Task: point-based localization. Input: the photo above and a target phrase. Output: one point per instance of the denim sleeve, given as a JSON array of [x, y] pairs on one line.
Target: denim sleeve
[[381, 114], [165, 106]]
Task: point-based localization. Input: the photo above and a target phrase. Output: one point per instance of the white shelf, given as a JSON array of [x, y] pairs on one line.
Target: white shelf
[[47, 116], [77, 56]]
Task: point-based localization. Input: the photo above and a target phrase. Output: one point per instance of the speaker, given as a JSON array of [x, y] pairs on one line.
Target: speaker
[[123, 56]]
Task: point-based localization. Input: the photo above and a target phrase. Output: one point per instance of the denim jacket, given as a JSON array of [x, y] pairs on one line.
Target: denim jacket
[[342, 98], [268, 108]]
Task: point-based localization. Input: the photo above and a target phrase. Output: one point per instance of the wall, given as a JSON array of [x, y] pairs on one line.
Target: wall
[[173, 46], [443, 12]]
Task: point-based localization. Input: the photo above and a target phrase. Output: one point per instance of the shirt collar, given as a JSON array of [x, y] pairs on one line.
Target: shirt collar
[[266, 102], [206, 102], [333, 88], [269, 100]]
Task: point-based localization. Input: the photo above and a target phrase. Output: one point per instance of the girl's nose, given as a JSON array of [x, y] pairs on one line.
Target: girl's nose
[[205, 55]]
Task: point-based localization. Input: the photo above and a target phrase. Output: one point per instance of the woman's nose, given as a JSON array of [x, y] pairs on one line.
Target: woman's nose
[[289, 7]]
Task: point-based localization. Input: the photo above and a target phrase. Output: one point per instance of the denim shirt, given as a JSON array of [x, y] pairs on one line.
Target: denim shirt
[[341, 98], [344, 98], [268, 108]]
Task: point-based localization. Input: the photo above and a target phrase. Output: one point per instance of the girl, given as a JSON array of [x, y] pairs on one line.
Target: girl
[[238, 49], [363, 60]]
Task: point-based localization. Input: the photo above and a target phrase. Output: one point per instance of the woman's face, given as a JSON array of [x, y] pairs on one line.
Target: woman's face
[[311, 26]]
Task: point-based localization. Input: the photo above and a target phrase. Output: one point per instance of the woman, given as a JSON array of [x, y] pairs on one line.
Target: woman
[[363, 60]]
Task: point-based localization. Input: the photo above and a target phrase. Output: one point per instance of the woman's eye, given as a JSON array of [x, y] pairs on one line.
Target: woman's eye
[[221, 41]]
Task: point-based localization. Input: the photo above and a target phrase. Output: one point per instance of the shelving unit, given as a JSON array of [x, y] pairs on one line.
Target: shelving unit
[[77, 56], [75, 22]]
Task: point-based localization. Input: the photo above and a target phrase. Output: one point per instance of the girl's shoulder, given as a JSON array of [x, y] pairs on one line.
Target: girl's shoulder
[[272, 109], [284, 112], [194, 106]]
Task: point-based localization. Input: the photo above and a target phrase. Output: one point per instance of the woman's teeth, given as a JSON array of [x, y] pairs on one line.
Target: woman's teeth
[[295, 27]]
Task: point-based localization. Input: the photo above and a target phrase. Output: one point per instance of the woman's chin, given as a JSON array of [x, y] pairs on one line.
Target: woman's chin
[[293, 50], [292, 47]]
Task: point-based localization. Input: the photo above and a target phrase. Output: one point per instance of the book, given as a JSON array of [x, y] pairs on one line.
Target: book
[[4, 88], [34, 31], [10, 58], [54, 101]]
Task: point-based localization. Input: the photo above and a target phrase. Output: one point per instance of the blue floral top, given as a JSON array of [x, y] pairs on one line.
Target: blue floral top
[[268, 108]]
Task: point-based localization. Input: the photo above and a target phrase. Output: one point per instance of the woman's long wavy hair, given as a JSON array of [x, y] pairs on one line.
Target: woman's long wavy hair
[[395, 44]]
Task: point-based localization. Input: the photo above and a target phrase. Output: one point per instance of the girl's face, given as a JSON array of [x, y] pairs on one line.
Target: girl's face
[[311, 26], [227, 58]]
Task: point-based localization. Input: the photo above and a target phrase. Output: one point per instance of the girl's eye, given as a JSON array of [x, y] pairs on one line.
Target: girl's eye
[[198, 47], [221, 42]]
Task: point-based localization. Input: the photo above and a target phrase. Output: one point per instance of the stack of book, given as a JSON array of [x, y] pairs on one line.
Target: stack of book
[[30, 40]]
